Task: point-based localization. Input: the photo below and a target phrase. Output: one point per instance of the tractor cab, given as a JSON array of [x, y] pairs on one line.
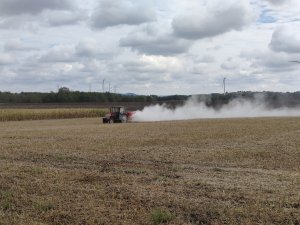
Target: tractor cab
[[117, 109]]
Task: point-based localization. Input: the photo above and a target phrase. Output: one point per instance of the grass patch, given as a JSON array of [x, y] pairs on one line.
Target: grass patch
[[135, 171], [160, 216], [43, 206], [60, 157], [37, 170], [6, 200]]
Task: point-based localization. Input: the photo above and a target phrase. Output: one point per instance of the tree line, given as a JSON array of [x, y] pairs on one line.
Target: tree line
[[268, 99], [64, 95]]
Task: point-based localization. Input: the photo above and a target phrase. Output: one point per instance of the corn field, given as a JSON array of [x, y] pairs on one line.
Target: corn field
[[44, 114]]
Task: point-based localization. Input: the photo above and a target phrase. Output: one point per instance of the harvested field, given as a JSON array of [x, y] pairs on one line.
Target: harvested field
[[221, 171]]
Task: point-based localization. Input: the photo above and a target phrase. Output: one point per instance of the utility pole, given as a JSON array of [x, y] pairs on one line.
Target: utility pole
[[109, 87], [103, 85], [224, 85]]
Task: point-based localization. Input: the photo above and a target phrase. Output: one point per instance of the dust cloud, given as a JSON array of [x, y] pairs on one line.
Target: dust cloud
[[195, 109]]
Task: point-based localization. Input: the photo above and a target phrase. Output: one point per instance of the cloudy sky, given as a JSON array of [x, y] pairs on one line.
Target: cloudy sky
[[150, 46]]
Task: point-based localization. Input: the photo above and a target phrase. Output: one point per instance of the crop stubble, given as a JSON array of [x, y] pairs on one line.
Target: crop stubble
[[79, 171]]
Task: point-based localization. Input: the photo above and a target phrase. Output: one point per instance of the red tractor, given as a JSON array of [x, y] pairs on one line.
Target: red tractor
[[117, 115]]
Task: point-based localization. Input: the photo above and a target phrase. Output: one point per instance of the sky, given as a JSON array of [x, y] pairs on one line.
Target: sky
[[149, 46]]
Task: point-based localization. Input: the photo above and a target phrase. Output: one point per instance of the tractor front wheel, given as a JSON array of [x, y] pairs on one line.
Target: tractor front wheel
[[124, 119]]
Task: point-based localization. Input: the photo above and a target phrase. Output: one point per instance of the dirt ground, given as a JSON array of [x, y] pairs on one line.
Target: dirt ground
[[221, 171]]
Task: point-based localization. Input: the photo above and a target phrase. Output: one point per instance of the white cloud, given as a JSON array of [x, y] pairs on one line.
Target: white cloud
[[206, 59], [271, 62], [14, 44], [285, 39], [26, 22], [230, 64], [278, 2], [210, 22], [87, 48], [155, 64], [6, 59], [17, 45], [121, 12], [59, 54], [152, 41], [61, 18], [16, 7], [153, 47]]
